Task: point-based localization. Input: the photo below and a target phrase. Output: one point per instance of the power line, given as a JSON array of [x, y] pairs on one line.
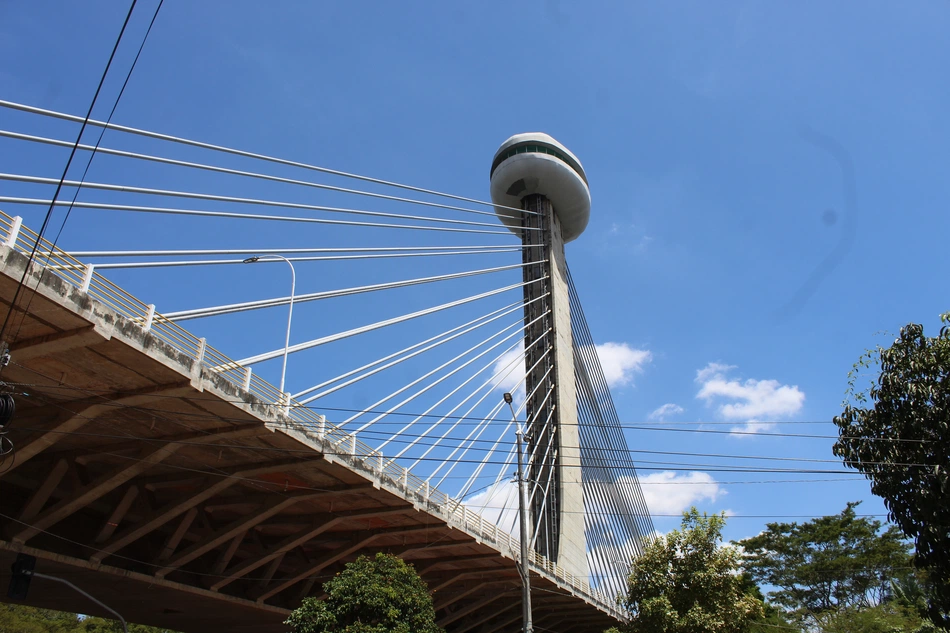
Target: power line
[[414, 439], [304, 488], [657, 465], [476, 419], [59, 185]]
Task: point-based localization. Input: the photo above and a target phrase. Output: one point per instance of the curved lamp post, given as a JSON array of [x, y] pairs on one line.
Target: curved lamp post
[[290, 312]]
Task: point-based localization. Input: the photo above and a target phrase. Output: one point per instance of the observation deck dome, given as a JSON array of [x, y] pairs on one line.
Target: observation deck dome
[[535, 163]]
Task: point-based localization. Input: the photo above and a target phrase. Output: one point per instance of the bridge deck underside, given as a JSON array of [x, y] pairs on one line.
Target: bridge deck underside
[[183, 502]]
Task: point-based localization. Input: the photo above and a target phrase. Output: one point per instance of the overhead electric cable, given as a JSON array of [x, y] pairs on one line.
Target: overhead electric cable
[[49, 213]]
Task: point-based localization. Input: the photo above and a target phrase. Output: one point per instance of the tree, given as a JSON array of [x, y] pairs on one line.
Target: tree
[[773, 618], [898, 435], [688, 582], [372, 595], [829, 568]]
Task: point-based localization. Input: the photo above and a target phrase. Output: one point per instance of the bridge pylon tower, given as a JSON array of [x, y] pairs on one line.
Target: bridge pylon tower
[[536, 174]]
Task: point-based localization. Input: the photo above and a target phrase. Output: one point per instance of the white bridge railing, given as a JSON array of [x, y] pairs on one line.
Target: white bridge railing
[[343, 446]]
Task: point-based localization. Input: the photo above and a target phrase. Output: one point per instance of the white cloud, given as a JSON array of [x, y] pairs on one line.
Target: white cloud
[[668, 492], [665, 411], [747, 401], [509, 372], [711, 370], [753, 426], [498, 504], [620, 362]]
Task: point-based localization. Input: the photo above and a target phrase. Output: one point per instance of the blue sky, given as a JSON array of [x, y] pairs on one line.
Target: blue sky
[[723, 259]]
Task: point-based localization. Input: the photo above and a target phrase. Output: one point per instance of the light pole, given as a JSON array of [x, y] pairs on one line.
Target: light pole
[[527, 625], [290, 311]]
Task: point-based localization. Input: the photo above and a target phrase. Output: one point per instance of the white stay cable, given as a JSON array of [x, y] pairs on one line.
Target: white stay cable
[[483, 424], [429, 374], [318, 258], [366, 328], [281, 251], [509, 460], [192, 195], [234, 172], [478, 373], [465, 444], [240, 216], [501, 471], [544, 505], [237, 152], [196, 313], [425, 413], [488, 387], [419, 348], [532, 459], [504, 432]]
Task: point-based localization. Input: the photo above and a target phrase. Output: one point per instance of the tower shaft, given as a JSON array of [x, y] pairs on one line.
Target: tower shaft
[[553, 470]]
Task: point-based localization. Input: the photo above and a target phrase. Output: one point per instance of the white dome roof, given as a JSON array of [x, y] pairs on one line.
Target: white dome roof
[[535, 163]]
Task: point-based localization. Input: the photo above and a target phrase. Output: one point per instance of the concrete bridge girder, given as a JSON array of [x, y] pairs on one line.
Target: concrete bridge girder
[[172, 518]]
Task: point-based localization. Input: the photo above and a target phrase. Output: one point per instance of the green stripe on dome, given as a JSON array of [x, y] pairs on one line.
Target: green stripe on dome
[[533, 147]]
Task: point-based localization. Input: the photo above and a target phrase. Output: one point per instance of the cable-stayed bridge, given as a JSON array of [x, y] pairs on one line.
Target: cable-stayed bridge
[[156, 465]]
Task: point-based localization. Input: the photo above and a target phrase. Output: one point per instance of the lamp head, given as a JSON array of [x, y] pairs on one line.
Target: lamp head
[[507, 398], [251, 260]]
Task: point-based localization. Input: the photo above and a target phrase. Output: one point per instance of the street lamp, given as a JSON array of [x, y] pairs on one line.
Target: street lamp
[[527, 625], [290, 311]]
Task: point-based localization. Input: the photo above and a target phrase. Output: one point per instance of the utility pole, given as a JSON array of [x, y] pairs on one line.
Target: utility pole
[[524, 567]]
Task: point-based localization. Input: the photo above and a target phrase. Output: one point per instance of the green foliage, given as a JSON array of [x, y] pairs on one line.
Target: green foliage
[[826, 566], [687, 582], [772, 616], [21, 619], [372, 595], [882, 618], [16, 618], [898, 435]]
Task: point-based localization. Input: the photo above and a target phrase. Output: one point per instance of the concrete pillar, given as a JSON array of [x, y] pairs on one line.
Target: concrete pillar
[[553, 447], [572, 556]]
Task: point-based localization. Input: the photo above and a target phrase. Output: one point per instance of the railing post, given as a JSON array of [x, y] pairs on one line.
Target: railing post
[[14, 232], [321, 426], [200, 356], [87, 278], [285, 400], [150, 316], [379, 466], [404, 480], [247, 378], [353, 445]]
